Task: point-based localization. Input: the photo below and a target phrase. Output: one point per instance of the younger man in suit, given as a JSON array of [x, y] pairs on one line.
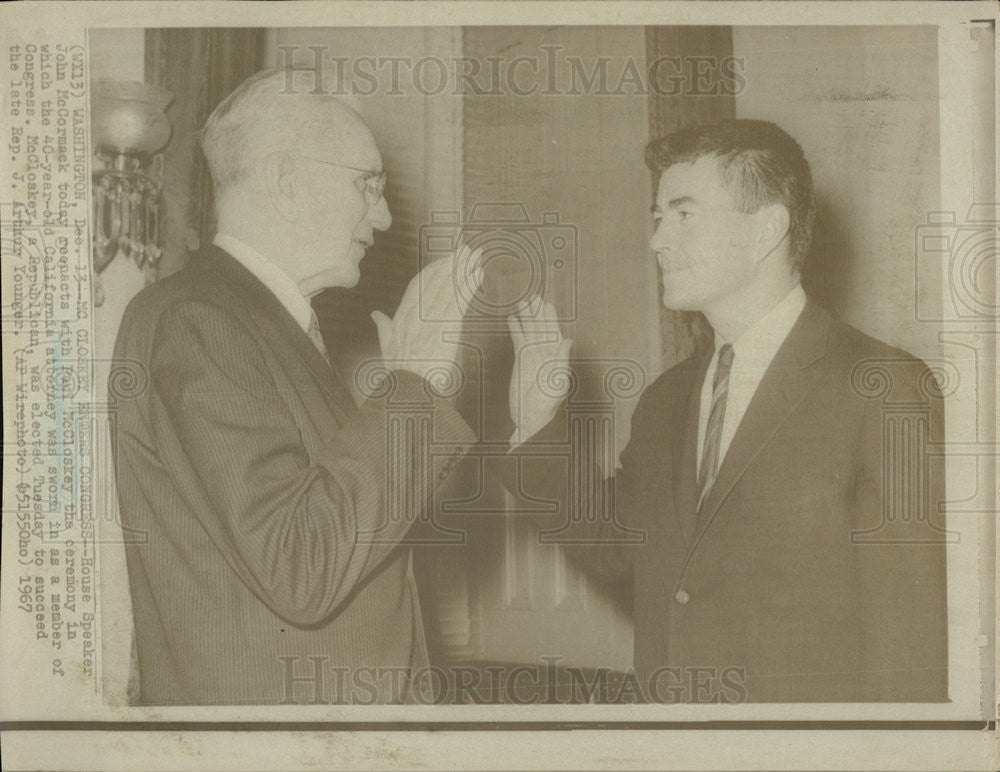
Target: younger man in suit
[[781, 478]]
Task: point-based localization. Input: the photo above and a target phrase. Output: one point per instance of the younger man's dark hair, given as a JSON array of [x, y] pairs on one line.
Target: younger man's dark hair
[[759, 161]]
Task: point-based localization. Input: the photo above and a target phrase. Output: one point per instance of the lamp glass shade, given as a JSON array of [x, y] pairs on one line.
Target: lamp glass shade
[[128, 117]]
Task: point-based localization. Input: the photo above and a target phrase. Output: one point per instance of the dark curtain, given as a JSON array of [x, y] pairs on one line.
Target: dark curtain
[[691, 47], [199, 67]]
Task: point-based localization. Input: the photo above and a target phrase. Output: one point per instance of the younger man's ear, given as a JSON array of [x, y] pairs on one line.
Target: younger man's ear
[[774, 221]]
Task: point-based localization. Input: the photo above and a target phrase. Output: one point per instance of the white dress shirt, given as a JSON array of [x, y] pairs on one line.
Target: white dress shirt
[[271, 276], [753, 353]]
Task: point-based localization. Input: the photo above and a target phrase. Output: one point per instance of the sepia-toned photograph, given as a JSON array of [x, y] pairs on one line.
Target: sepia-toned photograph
[[501, 371]]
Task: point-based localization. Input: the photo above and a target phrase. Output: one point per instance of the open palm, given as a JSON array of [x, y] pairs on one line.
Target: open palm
[[422, 336], [541, 378]]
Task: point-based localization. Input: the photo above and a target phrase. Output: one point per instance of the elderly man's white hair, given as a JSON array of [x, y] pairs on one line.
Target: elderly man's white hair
[[271, 111]]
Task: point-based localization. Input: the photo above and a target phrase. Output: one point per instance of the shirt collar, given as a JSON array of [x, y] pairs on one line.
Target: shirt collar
[[759, 343], [271, 276]]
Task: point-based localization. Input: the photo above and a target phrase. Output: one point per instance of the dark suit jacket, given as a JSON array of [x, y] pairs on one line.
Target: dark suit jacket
[[263, 494], [789, 575]]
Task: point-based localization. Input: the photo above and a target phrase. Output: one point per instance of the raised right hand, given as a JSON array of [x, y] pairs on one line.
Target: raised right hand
[[422, 337], [541, 356]]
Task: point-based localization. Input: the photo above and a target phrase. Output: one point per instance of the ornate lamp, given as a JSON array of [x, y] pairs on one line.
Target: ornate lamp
[[128, 128]]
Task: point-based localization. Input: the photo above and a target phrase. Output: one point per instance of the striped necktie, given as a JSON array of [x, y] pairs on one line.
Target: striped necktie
[[713, 431], [317, 337]]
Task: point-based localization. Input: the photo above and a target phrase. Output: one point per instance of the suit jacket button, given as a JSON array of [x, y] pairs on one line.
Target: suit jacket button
[[681, 597]]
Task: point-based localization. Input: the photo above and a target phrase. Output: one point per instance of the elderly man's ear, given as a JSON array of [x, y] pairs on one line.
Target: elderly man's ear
[[280, 182]]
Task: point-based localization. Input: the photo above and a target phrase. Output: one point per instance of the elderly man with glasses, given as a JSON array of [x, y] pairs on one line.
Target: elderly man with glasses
[[272, 570]]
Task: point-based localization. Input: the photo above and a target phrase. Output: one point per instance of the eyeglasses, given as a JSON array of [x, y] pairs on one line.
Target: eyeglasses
[[372, 184]]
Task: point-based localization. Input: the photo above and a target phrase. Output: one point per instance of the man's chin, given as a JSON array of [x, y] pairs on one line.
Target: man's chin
[[675, 301], [342, 276]]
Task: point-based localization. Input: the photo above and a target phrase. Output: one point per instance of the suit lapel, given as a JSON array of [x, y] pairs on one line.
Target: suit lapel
[[785, 384], [685, 482], [269, 310]]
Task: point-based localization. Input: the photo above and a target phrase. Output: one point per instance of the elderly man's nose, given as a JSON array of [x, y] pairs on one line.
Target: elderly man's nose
[[379, 215]]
